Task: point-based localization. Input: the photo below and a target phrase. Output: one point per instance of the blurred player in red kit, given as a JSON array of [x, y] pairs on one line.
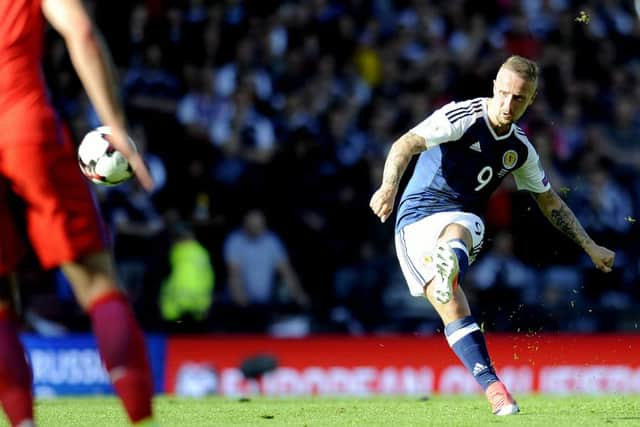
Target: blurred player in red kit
[[39, 165]]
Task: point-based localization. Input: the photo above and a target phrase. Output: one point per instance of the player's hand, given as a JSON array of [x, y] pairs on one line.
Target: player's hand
[[120, 141], [382, 201], [602, 257]]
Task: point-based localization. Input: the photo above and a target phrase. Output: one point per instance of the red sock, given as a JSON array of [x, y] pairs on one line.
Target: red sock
[[15, 374], [123, 351]]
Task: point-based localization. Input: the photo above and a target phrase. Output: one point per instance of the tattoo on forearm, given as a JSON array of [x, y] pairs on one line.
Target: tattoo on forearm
[[394, 167], [399, 158], [564, 220]]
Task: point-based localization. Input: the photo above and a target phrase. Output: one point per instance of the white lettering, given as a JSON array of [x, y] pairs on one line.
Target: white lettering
[[589, 379], [456, 379], [519, 379], [407, 380], [335, 380], [231, 382], [67, 366]]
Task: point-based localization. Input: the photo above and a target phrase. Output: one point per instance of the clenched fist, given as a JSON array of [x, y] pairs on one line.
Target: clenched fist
[[602, 257], [382, 201]]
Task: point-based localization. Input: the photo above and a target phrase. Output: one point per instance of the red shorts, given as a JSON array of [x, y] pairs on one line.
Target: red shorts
[[62, 219]]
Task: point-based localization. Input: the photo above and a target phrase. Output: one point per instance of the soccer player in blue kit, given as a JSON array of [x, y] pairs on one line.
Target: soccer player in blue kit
[[466, 149]]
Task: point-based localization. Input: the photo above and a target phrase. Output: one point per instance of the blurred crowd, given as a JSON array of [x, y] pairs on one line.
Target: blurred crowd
[[266, 125]]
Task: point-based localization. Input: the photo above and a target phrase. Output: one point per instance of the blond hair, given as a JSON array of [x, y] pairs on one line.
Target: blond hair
[[525, 68]]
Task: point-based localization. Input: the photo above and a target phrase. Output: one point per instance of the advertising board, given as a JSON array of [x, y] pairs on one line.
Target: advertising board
[[403, 365]]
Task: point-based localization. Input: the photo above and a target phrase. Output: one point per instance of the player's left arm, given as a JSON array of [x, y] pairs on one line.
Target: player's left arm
[[561, 216], [532, 177]]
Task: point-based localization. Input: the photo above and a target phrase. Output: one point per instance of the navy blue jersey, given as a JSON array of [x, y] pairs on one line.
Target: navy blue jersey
[[465, 162]]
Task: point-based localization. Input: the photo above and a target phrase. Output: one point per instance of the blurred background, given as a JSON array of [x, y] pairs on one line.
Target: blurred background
[[266, 125]]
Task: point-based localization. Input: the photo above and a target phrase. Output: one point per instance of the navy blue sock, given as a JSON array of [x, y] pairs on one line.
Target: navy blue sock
[[467, 342], [462, 253]]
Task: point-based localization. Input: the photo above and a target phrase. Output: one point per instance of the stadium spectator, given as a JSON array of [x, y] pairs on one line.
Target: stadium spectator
[[500, 268], [601, 204], [187, 293], [137, 228], [256, 261], [245, 140], [150, 86], [197, 107], [605, 209], [499, 275], [623, 134]]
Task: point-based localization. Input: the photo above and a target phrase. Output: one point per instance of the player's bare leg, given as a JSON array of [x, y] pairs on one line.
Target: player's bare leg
[[118, 335], [463, 333], [455, 309], [91, 278], [15, 375], [453, 243]]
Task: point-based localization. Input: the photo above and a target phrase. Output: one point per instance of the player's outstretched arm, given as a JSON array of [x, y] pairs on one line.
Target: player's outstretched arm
[[397, 161], [92, 61], [561, 216]]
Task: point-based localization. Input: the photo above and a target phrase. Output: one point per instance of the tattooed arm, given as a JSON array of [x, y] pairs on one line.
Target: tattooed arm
[[397, 161], [559, 214]]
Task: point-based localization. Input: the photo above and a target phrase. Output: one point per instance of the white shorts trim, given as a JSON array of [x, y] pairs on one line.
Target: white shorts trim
[[416, 241]]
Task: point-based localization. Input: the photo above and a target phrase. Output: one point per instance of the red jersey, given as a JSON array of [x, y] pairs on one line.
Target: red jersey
[[25, 110], [37, 158]]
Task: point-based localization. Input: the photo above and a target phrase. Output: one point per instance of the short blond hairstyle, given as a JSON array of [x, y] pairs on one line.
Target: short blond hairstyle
[[525, 68]]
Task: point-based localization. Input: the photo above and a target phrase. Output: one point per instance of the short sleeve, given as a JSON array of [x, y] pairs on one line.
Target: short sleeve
[[531, 176], [448, 123]]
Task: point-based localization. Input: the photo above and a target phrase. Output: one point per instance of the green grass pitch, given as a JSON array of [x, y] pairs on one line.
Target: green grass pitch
[[438, 411]]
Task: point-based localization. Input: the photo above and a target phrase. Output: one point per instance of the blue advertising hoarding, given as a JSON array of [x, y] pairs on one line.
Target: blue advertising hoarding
[[71, 365]]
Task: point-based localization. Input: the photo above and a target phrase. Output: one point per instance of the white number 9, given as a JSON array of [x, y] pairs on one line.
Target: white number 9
[[484, 177]]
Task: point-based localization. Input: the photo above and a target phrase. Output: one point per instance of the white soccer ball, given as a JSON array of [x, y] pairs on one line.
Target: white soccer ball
[[100, 161]]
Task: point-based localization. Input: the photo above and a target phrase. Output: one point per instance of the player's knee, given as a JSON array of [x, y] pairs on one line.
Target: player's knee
[[98, 263], [90, 280], [457, 231]]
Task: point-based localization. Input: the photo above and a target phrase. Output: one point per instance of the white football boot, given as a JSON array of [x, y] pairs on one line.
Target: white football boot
[[446, 279]]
